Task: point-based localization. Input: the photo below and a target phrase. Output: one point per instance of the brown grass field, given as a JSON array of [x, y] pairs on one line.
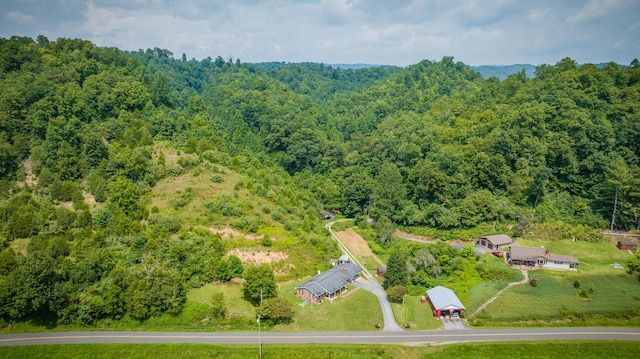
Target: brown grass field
[[358, 246]]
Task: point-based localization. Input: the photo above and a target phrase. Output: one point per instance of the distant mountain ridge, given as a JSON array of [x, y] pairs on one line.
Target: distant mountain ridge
[[504, 71]]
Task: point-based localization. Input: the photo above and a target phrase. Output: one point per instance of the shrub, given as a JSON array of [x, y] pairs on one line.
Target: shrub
[[576, 284], [396, 293], [170, 224], [276, 309], [266, 241], [219, 309], [533, 282], [175, 170]]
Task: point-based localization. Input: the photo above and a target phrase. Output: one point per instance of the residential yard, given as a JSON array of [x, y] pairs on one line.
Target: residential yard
[[415, 313], [595, 258], [356, 310], [555, 298]]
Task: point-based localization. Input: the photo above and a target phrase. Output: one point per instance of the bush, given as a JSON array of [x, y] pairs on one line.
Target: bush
[[266, 241], [170, 224], [277, 309], [533, 282], [396, 293], [219, 309], [175, 170]]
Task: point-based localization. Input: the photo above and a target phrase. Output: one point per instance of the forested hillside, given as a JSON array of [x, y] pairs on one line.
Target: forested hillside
[[118, 170]]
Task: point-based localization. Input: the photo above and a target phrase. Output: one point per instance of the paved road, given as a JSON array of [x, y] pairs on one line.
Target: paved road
[[390, 324], [408, 337]]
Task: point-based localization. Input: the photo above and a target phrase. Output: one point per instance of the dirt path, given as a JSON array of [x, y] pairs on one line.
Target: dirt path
[[492, 299]]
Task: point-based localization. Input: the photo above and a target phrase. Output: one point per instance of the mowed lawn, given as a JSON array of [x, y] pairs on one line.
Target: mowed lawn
[[358, 310], [415, 313], [555, 297], [236, 305]]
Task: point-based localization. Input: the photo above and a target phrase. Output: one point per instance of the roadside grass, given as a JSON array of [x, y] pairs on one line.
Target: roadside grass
[[415, 313], [524, 350], [555, 299], [357, 310]]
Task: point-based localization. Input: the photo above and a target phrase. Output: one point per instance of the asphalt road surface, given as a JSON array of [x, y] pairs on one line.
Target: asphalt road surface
[[408, 337]]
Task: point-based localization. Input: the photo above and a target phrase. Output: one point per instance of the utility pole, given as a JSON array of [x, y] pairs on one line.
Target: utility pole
[[259, 335], [615, 208]]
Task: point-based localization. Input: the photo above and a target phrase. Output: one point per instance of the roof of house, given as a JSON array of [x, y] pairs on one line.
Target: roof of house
[[444, 298], [499, 239], [331, 280], [532, 254], [344, 258], [628, 243]]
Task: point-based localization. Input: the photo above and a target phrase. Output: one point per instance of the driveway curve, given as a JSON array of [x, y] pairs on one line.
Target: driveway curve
[[390, 324]]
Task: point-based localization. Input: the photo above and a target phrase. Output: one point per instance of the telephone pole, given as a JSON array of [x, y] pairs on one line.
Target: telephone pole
[[259, 335]]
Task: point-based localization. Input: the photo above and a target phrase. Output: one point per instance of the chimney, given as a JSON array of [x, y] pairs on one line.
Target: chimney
[[344, 270]]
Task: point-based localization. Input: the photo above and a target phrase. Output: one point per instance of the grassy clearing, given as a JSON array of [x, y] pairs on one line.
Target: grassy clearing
[[524, 350], [556, 298], [236, 305], [480, 293], [415, 313], [359, 310]]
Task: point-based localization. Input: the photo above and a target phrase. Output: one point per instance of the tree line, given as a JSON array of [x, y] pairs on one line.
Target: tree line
[[431, 145]]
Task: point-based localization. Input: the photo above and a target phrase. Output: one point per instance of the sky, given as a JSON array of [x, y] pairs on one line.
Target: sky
[[385, 32]]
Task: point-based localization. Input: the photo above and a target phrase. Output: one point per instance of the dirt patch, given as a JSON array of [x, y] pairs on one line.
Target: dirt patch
[[351, 290], [27, 168], [230, 233], [258, 257], [357, 245], [404, 234], [89, 199]]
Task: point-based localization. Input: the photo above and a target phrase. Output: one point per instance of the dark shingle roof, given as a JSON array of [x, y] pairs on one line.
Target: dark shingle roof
[[331, 280]]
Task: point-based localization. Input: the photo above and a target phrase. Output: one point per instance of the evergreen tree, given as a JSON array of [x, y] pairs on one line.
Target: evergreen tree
[[397, 273]]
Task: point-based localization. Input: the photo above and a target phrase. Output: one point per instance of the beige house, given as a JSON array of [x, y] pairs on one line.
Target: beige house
[[495, 242], [540, 257]]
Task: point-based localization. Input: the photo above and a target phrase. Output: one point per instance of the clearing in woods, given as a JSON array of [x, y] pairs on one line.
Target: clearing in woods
[[359, 247]]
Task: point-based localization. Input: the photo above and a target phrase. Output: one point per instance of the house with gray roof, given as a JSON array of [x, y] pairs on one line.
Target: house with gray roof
[[540, 257], [444, 301], [329, 284], [495, 242]]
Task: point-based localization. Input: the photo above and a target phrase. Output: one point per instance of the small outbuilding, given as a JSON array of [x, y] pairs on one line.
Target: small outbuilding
[[495, 242], [627, 246], [328, 216], [380, 272], [444, 302]]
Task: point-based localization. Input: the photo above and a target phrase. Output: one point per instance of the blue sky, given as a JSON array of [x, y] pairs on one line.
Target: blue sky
[[396, 32]]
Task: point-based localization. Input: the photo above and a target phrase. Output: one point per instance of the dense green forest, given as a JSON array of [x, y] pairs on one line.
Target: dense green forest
[[88, 133]]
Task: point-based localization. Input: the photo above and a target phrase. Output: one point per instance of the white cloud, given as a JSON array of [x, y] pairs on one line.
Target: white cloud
[[596, 9], [399, 32], [17, 17]]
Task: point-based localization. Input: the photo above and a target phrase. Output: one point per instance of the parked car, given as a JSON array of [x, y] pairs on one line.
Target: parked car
[[498, 254]]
